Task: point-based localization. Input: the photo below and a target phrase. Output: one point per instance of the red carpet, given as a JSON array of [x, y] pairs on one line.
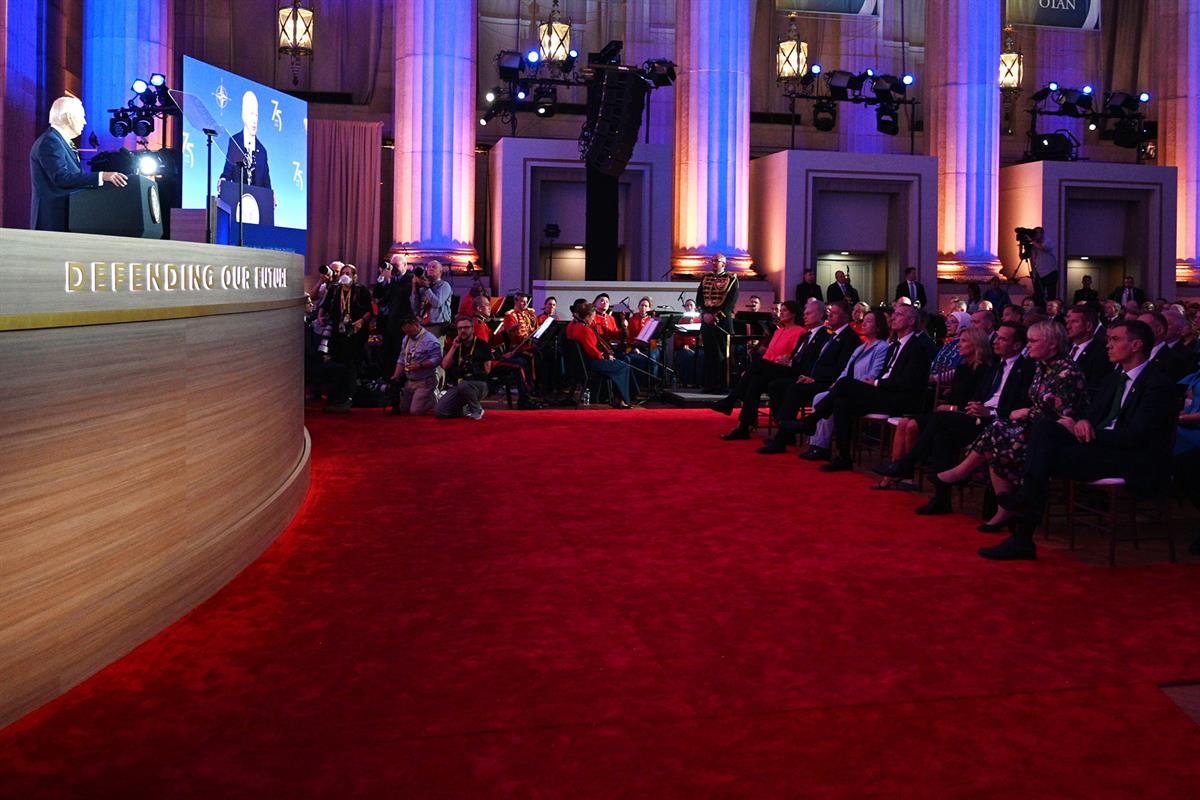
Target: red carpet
[[618, 604]]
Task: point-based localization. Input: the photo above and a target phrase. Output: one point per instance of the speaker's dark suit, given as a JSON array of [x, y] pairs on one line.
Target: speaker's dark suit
[[901, 392], [1138, 448], [56, 173], [260, 171], [902, 291]]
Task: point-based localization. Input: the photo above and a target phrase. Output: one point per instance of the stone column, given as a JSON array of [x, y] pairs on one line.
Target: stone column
[[712, 134], [962, 75], [1176, 32], [434, 123], [122, 40]]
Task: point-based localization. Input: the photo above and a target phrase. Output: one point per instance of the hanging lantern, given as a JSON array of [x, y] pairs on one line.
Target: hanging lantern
[[555, 37], [295, 35], [1012, 63], [791, 59]]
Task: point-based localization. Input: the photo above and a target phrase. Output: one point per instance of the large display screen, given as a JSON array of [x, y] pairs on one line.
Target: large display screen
[[261, 133]]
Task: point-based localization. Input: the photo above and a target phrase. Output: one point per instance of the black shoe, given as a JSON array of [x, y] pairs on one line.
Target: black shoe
[[800, 427], [988, 527], [936, 481], [938, 504], [772, 448], [816, 454], [1015, 502], [722, 406], [894, 469], [1011, 549], [737, 433], [838, 465]]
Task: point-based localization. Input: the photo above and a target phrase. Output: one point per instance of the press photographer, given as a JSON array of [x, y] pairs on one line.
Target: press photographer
[[1038, 249]]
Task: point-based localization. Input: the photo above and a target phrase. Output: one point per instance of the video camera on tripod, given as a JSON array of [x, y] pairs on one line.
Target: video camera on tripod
[[1025, 237]]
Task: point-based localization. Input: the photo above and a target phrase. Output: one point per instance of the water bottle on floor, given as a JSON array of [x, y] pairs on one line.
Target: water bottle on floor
[[585, 399]]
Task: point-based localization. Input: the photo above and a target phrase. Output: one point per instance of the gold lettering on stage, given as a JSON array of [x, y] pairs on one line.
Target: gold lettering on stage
[[100, 279], [76, 277], [173, 277], [154, 277], [133, 276], [137, 277]]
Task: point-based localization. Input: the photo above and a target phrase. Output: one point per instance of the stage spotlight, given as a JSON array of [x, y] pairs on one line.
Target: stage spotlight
[[509, 64], [609, 54], [143, 125], [1052, 86], [158, 79], [1058, 146], [888, 89], [870, 73], [149, 164], [522, 92], [1042, 94], [533, 57], [909, 79], [825, 115], [118, 126], [492, 94], [568, 63], [139, 86], [545, 101], [1087, 89], [815, 69], [839, 83], [660, 72], [1144, 97], [856, 82], [487, 117], [887, 119], [1074, 102]]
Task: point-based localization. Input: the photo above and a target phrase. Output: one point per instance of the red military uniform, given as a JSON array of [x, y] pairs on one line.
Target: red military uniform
[[606, 327], [518, 325], [634, 327]]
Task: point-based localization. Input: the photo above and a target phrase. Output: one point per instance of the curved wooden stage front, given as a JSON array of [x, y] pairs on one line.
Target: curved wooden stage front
[[152, 440]]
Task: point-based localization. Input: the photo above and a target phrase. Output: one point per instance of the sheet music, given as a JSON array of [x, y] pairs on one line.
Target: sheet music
[[688, 327], [647, 331], [545, 326]]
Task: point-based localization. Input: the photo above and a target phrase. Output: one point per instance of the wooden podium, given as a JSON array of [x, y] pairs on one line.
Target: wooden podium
[[131, 210]]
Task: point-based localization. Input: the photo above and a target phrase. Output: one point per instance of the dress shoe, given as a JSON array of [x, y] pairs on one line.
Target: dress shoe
[[838, 465], [816, 454], [771, 448], [936, 481], [736, 434], [938, 504], [801, 427], [1011, 549], [894, 469], [722, 407]]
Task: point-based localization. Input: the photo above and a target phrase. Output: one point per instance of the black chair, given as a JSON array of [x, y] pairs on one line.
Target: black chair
[[578, 376]]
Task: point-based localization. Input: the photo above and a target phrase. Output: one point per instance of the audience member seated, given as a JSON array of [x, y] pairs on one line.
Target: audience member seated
[[899, 390], [974, 369], [643, 357], [415, 379], [1058, 390], [1111, 312], [598, 355], [1174, 365], [861, 309], [1088, 349], [1004, 389], [948, 355], [1055, 312], [1181, 350], [865, 364], [1127, 434], [780, 359], [1014, 314], [790, 395], [467, 363], [984, 320], [516, 331]]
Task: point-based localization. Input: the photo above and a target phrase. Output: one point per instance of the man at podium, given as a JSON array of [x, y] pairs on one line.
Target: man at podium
[[54, 167], [258, 173]]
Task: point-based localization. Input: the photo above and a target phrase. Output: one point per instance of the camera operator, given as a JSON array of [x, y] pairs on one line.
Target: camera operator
[[346, 313], [431, 299], [1038, 249], [415, 377]]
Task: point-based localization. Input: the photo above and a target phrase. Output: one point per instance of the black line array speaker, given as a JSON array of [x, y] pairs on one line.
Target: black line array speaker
[[615, 105]]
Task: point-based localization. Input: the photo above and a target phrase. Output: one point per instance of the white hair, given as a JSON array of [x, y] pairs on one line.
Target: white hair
[[63, 109]]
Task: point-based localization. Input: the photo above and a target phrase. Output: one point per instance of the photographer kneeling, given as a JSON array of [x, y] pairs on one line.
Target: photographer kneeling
[[467, 364], [415, 378]]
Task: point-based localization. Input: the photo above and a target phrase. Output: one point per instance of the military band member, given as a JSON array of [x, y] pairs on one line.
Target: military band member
[[606, 325], [717, 298]]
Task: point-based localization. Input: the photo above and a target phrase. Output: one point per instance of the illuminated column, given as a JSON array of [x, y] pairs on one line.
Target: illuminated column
[[962, 71], [1176, 27], [122, 40], [712, 134], [434, 210]]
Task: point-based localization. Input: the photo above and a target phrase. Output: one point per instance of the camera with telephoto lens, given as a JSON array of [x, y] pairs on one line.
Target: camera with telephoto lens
[[1025, 238]]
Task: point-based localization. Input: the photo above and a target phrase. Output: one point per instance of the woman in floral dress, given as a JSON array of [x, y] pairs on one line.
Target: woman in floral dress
[[1058, 390]]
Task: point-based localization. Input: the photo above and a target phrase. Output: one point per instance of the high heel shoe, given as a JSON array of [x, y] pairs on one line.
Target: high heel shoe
[[936, 481]]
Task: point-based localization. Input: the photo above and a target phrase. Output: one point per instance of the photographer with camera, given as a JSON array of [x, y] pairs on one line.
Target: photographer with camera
[[431, 299], [345, 313], [1038, 250], [467, 363], [415, 377]]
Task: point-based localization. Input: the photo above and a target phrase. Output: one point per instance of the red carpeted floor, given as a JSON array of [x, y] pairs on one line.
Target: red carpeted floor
[[600, 603]]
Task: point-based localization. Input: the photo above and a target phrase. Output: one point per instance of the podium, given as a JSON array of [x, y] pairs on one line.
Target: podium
[[256, 206], [133, 210]]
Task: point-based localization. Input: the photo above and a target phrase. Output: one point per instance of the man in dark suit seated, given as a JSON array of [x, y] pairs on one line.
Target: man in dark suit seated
[[911, 288], [1086, 294], [841, 289], [54, 168], [1004, 389], [1174, 364], [246, 145], [1128, 293], [899, 390], [1087, 346], [1127, 433], [808, 289], [789, 395]]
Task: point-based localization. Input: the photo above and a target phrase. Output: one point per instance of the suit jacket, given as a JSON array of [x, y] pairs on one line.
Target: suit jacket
[[833, 356], [1090, 296], [1173, 363], [1145, 427], [910, 374], [1138, 295], [1015, 393], [260, 171], [1094, 363], [902, 291], [806, 290], [808, 348], [835, 294], [55, 173]]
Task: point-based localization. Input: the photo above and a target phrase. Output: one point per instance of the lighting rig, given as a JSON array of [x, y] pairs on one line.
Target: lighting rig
[[887, 94], [1131, 128]]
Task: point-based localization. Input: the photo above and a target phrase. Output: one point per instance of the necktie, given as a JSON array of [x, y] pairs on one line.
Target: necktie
[[893, 349], [799, 351], [1127, 297], [1074, 352], [1115, 409], [912, 290]]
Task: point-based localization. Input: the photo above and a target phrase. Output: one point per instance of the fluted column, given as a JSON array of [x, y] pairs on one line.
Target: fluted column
[[122, 40], [1176, 28], [962, 71], [434, 210], [712, 134]]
